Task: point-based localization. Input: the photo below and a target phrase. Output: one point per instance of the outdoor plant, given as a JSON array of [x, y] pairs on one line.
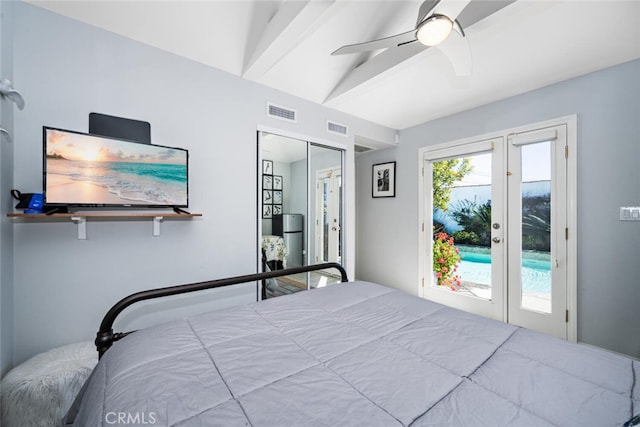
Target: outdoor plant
[[536, 223], [446, 258], [464, 237], [475, 219], [445, 175]]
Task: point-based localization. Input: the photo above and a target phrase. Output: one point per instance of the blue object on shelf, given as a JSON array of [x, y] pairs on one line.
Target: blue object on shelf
[[36, 202]]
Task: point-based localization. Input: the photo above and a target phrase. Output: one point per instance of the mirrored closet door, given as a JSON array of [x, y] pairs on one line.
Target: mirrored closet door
[[300, 211]]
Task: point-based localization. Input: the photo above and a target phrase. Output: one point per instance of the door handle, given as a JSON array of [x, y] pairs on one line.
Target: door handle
[[496, 240]]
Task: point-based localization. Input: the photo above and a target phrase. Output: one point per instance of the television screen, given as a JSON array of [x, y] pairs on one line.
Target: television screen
[[95, 171]]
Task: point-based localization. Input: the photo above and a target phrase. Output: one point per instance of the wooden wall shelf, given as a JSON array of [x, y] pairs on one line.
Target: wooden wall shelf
[[80, 218]]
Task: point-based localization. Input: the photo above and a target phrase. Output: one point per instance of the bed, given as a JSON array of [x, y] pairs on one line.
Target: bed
[[351, 354]]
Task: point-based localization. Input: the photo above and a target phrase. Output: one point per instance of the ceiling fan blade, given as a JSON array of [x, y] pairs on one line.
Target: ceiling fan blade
[[425, 10], [392, 41], [456, 49], [450, 8]]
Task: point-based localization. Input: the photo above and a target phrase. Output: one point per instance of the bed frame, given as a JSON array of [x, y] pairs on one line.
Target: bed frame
[[106, 337]]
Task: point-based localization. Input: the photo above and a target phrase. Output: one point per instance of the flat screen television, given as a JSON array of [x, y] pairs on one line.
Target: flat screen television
[[85, 170]]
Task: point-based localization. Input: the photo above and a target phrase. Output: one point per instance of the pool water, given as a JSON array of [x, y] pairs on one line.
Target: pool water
[[475, 266]]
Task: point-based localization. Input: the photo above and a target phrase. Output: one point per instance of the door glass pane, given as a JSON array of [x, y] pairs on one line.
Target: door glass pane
[[462, 225], [325, 187], [325, 164], [330, 186], [536, 227], [339, 183]]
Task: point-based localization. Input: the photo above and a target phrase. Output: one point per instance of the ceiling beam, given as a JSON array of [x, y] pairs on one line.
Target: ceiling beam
[[474, 12], [293, 20]]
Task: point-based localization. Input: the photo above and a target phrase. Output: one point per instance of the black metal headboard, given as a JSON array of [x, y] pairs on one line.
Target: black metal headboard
[[106, 337]]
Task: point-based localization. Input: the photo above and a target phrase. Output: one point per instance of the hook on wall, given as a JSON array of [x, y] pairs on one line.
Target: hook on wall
[[5, 132], [8, 92]]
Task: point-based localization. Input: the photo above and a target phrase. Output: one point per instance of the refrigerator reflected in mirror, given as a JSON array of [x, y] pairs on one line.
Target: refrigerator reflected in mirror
[[291, 228]]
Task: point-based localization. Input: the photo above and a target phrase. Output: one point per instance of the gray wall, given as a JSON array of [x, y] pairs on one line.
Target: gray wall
[[6, 202], [607, 104], [66, 69], [298, 196]]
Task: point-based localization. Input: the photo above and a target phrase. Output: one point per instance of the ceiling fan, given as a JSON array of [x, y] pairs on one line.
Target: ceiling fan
[[436, 23]]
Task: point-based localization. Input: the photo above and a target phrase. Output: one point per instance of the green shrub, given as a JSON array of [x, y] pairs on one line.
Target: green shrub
[[466, 237]]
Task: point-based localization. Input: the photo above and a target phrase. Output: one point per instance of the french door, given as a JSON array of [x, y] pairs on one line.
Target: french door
[[495, 228], [328, 212], [537, 212]]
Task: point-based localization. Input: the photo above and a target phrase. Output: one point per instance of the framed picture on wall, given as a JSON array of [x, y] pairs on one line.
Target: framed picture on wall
[[384, 180], [277, 182], [267, 182], [277, 209], [267, 197], [267, 167], [277, 197], [267, 211]]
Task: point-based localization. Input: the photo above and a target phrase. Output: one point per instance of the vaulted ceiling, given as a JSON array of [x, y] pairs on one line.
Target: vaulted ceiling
[[515, 46]]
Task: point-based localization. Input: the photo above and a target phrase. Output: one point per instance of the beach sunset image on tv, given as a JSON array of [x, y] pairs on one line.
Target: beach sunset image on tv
[[83, 169]]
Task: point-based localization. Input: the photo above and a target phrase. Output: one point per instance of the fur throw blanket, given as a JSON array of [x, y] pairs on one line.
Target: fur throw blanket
[[39, 391]]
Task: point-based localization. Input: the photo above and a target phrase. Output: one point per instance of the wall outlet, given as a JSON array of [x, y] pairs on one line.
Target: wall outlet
[[630, 213]]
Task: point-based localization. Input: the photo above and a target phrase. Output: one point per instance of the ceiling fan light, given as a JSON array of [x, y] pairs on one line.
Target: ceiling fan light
[[434, 30]]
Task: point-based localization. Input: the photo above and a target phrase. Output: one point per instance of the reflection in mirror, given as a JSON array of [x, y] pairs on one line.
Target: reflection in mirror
[[284, 186], [326, 204], [301, 211], [284, 211]]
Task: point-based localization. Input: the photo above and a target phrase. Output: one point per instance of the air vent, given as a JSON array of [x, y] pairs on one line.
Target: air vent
[[281, 113], [361, 148], [337, 128]]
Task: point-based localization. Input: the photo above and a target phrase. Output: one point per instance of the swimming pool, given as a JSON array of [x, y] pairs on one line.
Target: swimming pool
[[475, 266]]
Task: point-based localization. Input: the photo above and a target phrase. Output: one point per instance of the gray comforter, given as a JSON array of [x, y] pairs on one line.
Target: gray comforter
[[355, 354]]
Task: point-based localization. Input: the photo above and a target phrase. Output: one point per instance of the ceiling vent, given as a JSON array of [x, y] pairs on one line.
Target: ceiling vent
[[361, 148], [281, 112], [337, 128]]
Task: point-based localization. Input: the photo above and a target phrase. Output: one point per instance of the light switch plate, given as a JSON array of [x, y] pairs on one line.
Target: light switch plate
[[630, 213]]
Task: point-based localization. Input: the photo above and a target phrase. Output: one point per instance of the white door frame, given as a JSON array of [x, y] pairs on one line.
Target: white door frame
[[425, 211], [322, 174]]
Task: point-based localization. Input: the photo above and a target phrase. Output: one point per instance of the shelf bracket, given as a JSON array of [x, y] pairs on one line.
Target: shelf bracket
[[81, 221], [156, 225]]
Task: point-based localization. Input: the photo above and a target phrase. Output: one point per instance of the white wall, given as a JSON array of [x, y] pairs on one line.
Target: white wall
[[607, 104], [66, 70]]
